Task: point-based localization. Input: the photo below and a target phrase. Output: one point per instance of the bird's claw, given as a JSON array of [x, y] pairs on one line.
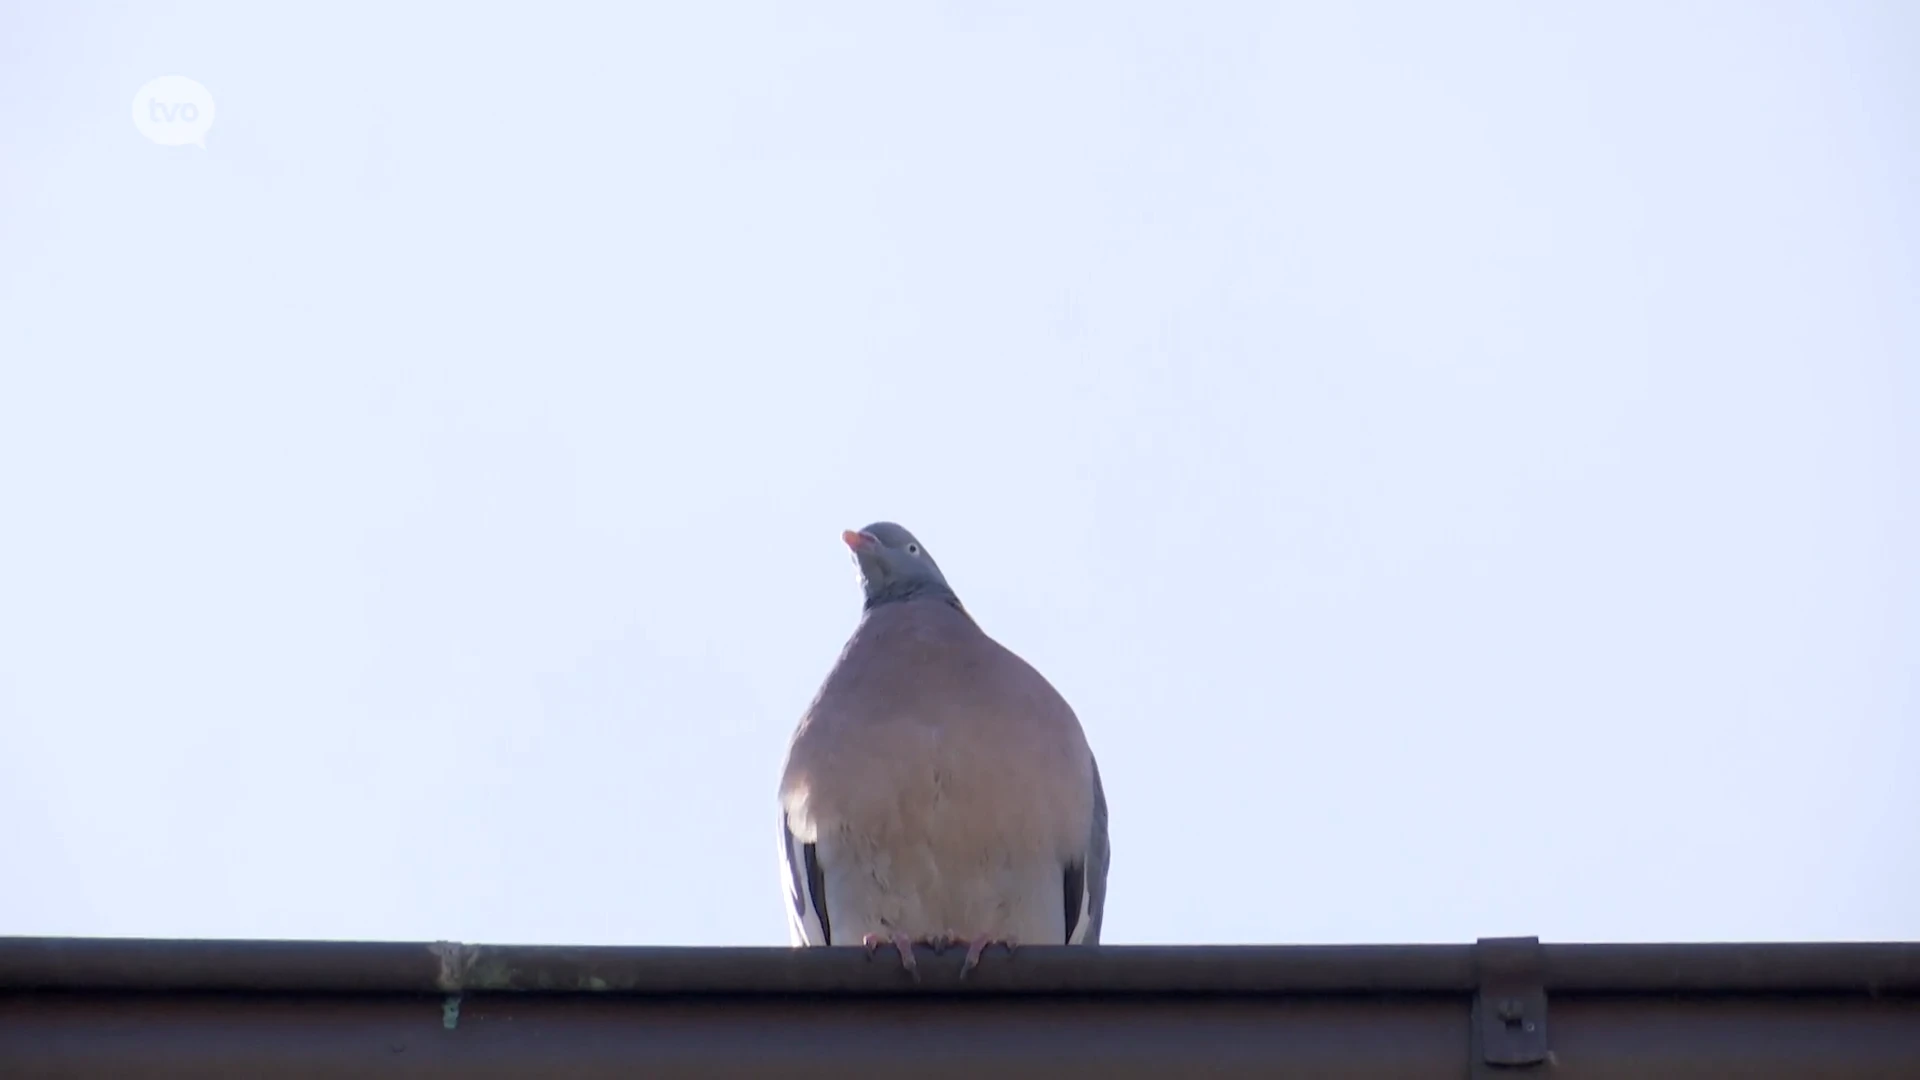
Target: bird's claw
[[939, 943], [901, 942], [979, 946]]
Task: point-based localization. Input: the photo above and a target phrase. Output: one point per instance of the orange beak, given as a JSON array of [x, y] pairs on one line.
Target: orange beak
[[859, 541]]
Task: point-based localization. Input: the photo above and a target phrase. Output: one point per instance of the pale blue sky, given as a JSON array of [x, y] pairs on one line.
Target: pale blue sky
[[1458, 460]]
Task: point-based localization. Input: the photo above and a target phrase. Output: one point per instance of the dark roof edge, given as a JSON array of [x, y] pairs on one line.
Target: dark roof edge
[[160, 965]]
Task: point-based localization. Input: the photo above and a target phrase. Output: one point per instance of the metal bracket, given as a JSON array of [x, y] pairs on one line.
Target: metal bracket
[[1509, 1024]]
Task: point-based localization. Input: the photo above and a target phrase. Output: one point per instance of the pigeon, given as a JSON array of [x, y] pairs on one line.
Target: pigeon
[[938, 790]]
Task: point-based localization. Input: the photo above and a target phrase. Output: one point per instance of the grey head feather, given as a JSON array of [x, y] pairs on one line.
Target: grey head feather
[[895, 566]]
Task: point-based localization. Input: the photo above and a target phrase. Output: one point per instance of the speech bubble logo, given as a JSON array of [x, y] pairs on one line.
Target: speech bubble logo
[[173, 110]]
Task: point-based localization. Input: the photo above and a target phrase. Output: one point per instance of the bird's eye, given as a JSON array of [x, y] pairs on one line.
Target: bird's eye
[[913, 549]]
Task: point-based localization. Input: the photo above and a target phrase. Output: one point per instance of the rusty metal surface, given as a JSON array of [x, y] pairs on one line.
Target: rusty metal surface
[[89, 1010]]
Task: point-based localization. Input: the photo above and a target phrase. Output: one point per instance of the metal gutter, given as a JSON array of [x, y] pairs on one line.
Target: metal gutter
[[129, 1009], [96, 964]]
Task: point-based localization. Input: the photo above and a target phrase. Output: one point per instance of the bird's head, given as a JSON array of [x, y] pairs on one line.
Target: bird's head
[[894, 565]]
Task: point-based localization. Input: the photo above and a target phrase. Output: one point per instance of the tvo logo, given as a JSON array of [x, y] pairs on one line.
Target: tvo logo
[[173, 110]]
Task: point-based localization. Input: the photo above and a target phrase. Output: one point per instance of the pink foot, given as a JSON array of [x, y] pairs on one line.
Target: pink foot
[[980, 945], [901, 942]]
